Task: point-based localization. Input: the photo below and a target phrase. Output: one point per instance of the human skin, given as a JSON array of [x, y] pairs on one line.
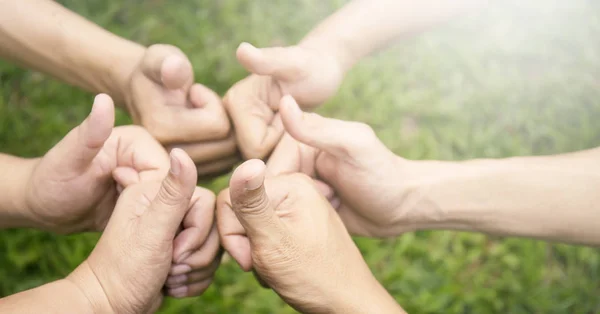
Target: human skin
[[379, 194], [154, 84], [286, 231], [312, 70], [126, 270], [75, 187]]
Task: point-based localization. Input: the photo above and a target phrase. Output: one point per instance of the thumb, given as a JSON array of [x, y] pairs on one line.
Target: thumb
[[250, 201], [78, 149], [172, 201], [168, 66], [336, 137], [283, 63]]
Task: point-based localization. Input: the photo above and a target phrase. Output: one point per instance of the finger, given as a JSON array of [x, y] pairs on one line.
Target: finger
[[325, 189], [250, 202], [285, 157], [283, 63], [142, 153], [197, 224], [172, 201], [182, 279], [204, 257], [125, 176], [231, 232], [82, 144], [202, 97], [291, 156], [258, 128], [206, 120], [171, 124], [329, 135], [194, 289], [202, 152], [167, 65], [217, 167]]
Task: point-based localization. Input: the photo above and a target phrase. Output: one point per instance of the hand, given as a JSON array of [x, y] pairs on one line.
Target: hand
[[309, 75], [128, 267], [72, 189], [367, 178], [162, 96], [289, 234]]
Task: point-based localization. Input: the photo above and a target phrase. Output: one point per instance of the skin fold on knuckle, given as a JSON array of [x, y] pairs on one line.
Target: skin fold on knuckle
[[171, 194], [251, 203]]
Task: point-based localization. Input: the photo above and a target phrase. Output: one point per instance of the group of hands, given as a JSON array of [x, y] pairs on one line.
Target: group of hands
[[288, 220]]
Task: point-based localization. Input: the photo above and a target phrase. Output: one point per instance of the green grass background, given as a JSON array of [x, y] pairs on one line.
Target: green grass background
[[518, 78]]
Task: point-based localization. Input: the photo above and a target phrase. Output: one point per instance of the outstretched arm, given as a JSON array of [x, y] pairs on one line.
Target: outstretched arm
[[364, 26], [544, 197], [45, 36]]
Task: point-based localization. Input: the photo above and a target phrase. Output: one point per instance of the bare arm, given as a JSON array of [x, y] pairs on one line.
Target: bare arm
[[545, 197], [78, 293], [44, 36], [364, 26], [14, 172]]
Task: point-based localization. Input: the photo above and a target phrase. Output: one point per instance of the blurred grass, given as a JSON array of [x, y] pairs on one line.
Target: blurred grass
[[515, 79]]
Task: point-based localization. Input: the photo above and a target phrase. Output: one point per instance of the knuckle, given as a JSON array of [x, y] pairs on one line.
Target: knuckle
[[252, 204], [170, 193], [220, 127], [253, 150], [363, 129]]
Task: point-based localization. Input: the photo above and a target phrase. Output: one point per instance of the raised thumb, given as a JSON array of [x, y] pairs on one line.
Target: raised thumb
[[283, 63], [333, 136], [76, 151], [172, 201], [250, 201]]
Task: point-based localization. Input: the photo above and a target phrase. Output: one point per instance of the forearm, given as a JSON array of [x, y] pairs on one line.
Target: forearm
[[15, 173], [56, 297], [78, 293], [546, 197], [373, 299], [364, 26], [45, 36]]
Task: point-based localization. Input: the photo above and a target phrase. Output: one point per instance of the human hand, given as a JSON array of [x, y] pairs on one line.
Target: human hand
[[161, 95], [126, 270], [72, 189], [286, 231], [310, 75], [368, 179]]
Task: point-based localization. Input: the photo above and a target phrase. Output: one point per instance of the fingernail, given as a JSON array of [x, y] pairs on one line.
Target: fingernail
[[179, 292], [178, 279], [183, 256], [180, 269], [175, 165], [256, 168]]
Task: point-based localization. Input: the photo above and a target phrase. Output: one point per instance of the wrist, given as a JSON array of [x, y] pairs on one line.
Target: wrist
[[88, 288], [121, 68], [371, 297], [14, 209]]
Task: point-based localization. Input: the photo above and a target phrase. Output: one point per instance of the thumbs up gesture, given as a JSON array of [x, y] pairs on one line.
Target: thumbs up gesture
[[371, 184], [127, 269], [285, 230]]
